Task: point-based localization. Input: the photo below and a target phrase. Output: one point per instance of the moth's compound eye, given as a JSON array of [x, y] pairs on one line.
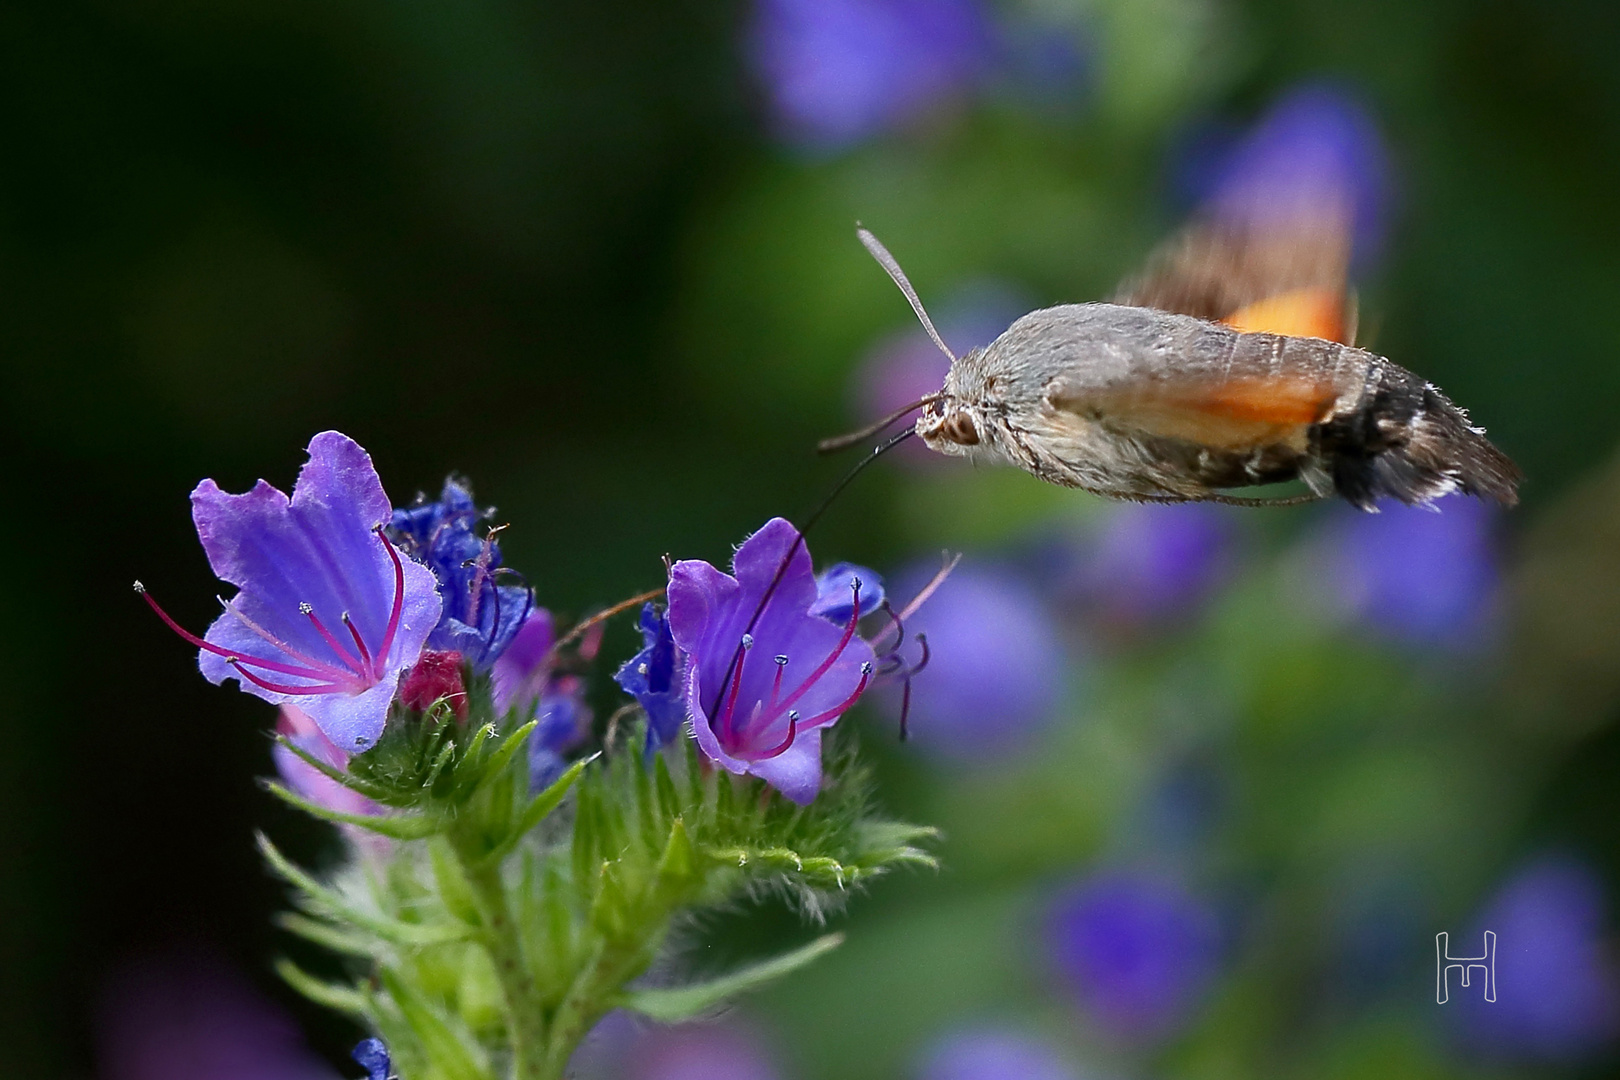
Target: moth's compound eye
[[959, 428]]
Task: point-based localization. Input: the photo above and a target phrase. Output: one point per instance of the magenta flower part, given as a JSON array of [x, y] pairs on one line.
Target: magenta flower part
[[519, 675], [328, 615], [436, 676], [765, 674], [305, 779]]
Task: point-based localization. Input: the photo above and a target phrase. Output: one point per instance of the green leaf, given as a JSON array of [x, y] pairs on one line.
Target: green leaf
[[685, 1002], [454, 1053], [410, 935], [678, 865], [337, 998], [347, 779], [394, 826], [539, 808], [326, 935], [454, 888]]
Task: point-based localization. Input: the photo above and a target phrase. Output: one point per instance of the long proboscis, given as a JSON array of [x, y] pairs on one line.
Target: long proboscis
[[887, 261], [844, 442]]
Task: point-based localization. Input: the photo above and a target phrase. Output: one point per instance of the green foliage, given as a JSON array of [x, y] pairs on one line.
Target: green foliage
[[491, 929]]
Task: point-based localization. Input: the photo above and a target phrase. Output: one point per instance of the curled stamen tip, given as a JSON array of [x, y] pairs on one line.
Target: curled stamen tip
[[793, 716], [781, 658], [748, 641], [306, 608], [855, 584], [866, 667], [140, 588]]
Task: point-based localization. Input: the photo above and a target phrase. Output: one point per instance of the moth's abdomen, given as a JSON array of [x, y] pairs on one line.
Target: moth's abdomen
[[1402, 438]]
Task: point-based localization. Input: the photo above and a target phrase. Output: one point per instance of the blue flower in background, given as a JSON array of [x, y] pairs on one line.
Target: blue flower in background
[[1557, 988], [1139, 951], [1316, 145], [836, 591], [996, 670], [481, 616], [653, 677], [564, 725], [701, 1052], [993, 1053], [1149, 564], [372, 1056], [837, 72], [1423, 576]]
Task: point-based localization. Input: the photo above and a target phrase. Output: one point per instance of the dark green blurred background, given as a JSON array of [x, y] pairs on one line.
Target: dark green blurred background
[[552, 246]]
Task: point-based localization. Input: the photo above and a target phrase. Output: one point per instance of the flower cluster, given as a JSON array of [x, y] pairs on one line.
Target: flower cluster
[[349, 608]]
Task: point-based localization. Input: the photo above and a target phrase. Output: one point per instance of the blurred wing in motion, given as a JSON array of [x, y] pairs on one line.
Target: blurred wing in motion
[[1271, 246]]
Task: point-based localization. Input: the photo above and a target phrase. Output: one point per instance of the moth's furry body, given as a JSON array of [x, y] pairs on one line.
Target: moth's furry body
[[1138, 403]]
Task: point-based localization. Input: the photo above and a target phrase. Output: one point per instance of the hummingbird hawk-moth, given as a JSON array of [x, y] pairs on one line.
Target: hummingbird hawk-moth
[[1227, 365]]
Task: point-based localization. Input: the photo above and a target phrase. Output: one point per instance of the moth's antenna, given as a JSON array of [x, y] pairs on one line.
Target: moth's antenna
[[885, 260], [798, 542], [843, 442]]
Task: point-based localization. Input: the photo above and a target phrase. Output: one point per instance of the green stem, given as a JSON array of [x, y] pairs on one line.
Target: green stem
[[601, 978], [525, 1012]]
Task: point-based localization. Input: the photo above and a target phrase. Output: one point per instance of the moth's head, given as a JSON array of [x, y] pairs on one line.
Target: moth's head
[[950, 426]]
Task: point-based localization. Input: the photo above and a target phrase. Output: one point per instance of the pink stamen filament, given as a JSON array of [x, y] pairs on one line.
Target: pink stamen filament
[[237, 664], [235, 658], [826, 665], [399, 599], [729, 713], [345, 655], [360, 643], [322, 669], [781, 748], [776, 683]]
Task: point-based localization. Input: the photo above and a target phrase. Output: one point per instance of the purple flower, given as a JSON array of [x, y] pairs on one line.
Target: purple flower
[[837, 72], [564, 724], [1151, 563], [328, 615], [372, 1056], [653, 678], [765, 675], [523, 678], [701, 1052], [996, 668], [994, 1053], [1425, 576], [1138, 951], [195, 1020], [1317, 147], [1557, 987], [480, 615], [306, 780]]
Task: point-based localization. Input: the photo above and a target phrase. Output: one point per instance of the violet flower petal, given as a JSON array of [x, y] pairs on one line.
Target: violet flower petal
[[519, 673], [320, 549]]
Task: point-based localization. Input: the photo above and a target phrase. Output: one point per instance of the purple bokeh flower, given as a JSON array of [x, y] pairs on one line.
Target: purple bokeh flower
[[1425, 576], [994, 1053], [524, 678], [765, 675], [1139, 952], [996, 670], [1316, 148], [197, 1020], [701, 1052], [837, 72], [654, 678], [306, 780], [328, 615], [481, 615], [372, 1056], [1557, 986], [1151, 563]]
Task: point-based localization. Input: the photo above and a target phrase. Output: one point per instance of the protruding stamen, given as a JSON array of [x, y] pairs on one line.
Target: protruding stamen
[[728, 721], [832, 657], [209, 646], [399, 600], [782, 747], [320, 668], [847, 704], [237, 664], [748, 641], [360, 643], [776, 683], [343, 654]]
